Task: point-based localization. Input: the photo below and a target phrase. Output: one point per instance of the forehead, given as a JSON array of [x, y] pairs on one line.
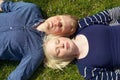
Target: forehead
[[50, 46], [57, 17], [51, 43], [52, 39], [65, 17], [62, 16]]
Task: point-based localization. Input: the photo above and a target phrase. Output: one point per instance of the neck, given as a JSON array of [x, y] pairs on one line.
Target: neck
[[41, 27], [82, 44]]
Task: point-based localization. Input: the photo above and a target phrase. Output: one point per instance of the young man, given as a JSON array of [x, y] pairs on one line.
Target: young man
[[21, 28]]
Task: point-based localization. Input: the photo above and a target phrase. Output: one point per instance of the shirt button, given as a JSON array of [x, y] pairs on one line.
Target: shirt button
[[24, 26], [11, 28], [35, 24]]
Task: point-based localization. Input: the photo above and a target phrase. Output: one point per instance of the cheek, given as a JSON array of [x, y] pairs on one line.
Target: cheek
[[61, 53], [48, 31], [57, 31], [64, 53], [68, 27]]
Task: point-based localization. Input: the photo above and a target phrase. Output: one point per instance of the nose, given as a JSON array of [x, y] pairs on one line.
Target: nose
[[58, 23]]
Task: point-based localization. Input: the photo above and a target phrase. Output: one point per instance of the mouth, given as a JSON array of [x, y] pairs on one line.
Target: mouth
[[67, 45]]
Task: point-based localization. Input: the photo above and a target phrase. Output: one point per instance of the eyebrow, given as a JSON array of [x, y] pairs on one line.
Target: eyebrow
[[56, 47], [55, 44]]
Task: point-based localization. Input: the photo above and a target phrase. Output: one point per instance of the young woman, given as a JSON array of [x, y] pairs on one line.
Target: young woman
[[22, 28], [96, 49]]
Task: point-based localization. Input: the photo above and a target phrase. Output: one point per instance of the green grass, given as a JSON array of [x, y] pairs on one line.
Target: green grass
[[79, 8]]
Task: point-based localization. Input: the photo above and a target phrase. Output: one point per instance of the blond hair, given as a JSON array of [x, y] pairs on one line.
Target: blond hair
[[52, 61], [74, 23]]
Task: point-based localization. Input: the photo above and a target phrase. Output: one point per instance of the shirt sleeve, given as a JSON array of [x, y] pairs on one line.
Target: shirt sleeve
[[19, 14], [90, 73], [107, 17], [99, 18], [9, 6], [26, 67]]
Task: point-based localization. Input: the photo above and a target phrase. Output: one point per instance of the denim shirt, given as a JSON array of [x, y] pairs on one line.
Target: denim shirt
[[19, 40]]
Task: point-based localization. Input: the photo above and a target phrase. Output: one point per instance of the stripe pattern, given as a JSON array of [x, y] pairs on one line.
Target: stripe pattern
[[107, 17], [90, 73]]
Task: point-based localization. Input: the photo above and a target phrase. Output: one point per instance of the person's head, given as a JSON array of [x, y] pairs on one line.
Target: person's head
[[63, 25], [59, 51]]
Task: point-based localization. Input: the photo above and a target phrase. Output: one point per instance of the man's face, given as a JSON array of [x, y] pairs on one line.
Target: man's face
[[59, 25]]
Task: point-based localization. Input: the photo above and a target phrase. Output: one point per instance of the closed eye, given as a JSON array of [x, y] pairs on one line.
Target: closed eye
[[57, 41]]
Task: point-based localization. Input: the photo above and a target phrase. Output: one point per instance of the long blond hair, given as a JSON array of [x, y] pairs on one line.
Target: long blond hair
[[51, 61]]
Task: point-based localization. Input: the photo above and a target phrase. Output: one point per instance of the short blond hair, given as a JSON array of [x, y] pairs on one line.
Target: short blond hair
[[74, 23], [52, 61]]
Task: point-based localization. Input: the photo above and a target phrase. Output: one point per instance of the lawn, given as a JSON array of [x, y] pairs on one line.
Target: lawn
[[79, 8]]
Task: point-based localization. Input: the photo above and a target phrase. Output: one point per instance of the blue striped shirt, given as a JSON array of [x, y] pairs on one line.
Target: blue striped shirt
[[108, 17]]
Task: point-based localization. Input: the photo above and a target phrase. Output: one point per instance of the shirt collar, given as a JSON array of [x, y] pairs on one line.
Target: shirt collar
[[37, 23]]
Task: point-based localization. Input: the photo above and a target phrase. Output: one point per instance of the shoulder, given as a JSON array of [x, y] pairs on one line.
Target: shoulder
[[26, 5]]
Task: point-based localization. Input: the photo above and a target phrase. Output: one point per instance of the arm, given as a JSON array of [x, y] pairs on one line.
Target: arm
[[90, 73], [99, 18], [19, 14], [9, 6], [26, 67], [106, 17]]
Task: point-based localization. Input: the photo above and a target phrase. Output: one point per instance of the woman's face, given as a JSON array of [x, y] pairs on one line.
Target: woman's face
[[61, 47], [59, 25]]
